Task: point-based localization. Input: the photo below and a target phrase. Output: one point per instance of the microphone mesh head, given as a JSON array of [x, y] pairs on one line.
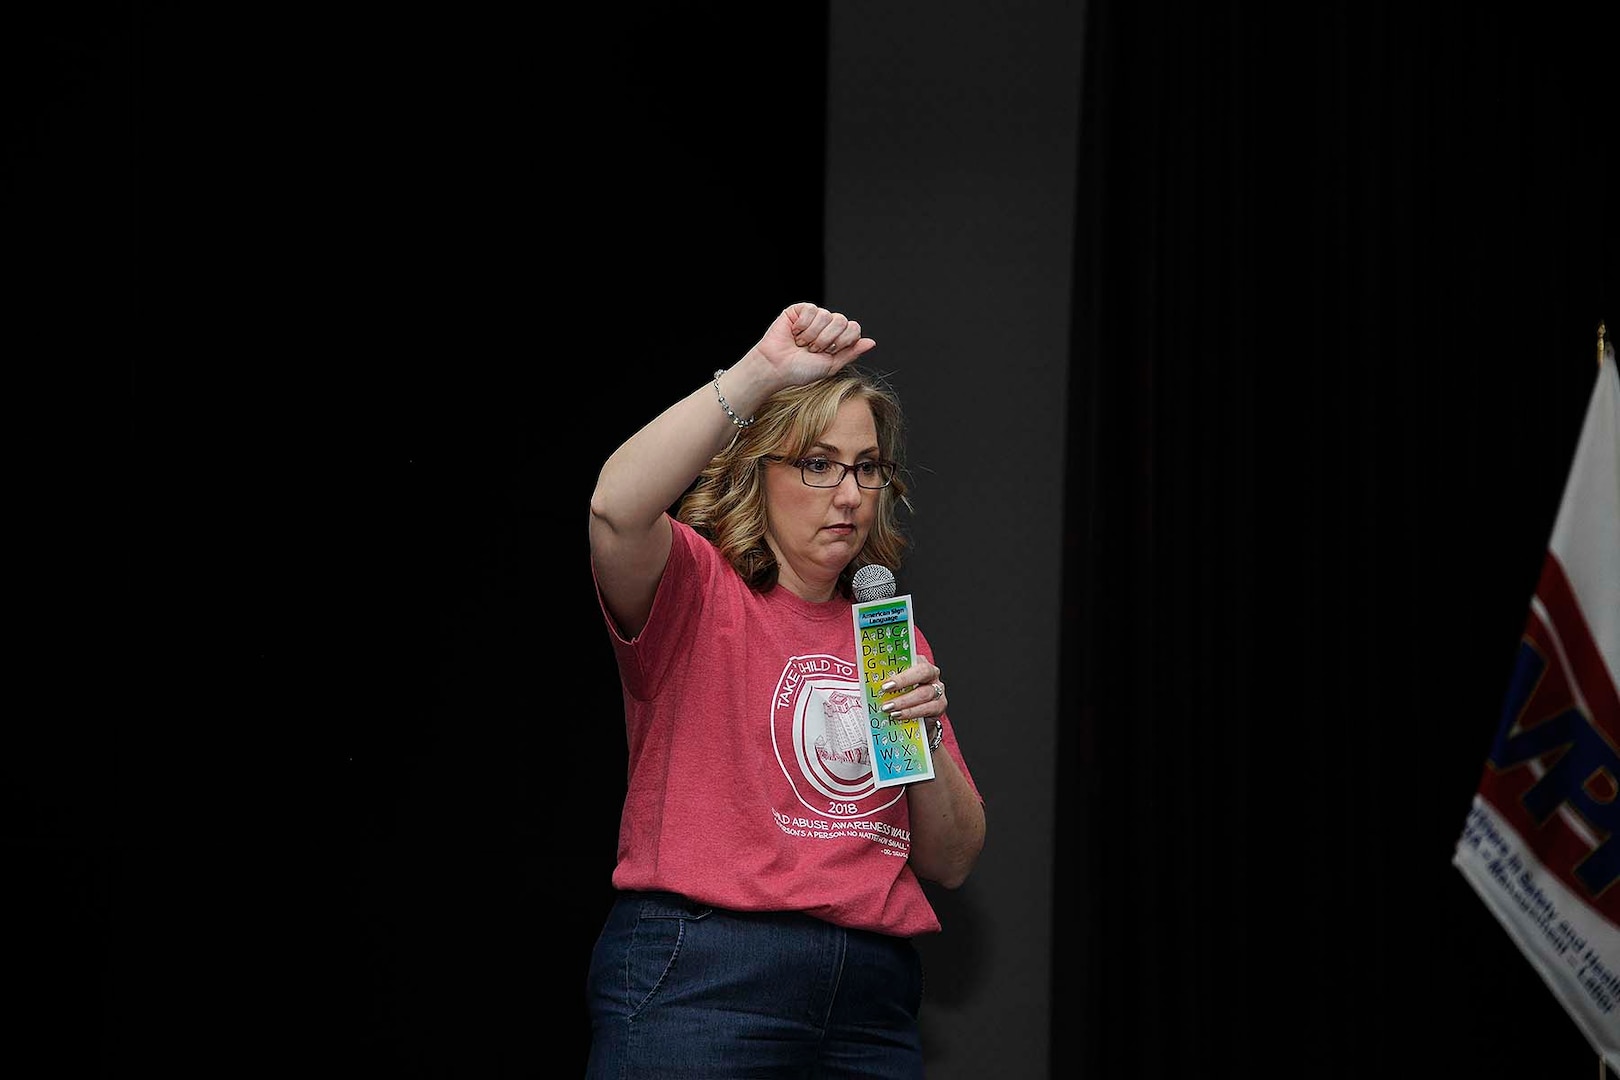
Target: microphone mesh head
[[873, 582]]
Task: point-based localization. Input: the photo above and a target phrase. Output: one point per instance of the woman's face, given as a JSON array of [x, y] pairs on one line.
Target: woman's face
[[815, 532]]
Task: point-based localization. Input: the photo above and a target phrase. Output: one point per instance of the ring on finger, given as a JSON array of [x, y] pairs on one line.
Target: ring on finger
[[939, 691]]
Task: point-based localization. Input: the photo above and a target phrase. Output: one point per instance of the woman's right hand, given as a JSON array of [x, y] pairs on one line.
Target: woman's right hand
[[807, 343]]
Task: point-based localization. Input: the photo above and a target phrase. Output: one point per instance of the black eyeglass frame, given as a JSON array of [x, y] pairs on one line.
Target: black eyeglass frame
[[887, 469]]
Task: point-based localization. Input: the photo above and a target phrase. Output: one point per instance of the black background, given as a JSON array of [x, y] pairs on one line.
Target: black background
[[338, 315]]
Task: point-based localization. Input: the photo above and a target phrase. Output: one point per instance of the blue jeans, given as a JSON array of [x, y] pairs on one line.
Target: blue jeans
[[680, 990]]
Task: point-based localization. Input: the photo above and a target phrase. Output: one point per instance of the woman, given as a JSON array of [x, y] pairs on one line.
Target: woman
[[768, 889]]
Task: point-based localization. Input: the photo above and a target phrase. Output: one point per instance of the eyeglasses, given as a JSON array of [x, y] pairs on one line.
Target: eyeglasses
[[820, 472]]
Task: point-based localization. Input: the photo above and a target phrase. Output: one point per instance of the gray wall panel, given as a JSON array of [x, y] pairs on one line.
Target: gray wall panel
[[951, 136]]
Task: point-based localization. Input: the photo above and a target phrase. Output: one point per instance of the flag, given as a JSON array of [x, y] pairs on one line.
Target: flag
[[1541, 843]]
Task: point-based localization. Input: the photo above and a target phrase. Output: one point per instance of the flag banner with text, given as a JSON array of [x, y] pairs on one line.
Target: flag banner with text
[[1541, 844]]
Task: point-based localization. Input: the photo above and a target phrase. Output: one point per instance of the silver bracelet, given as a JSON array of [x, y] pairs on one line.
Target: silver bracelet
[[735, 419], [939, 736]]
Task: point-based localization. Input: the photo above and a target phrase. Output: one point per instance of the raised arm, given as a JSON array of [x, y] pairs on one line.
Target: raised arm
[[645, 476]]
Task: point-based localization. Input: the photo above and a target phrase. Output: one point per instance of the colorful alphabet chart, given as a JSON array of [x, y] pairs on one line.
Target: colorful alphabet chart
[[883, 650]]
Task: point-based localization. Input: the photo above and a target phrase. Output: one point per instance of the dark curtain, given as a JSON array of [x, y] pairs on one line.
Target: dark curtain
[[660, 234], [401, 281], [1339, 273]]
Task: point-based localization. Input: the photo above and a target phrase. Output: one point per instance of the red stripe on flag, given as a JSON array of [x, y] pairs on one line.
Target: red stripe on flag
[[1580, 649]]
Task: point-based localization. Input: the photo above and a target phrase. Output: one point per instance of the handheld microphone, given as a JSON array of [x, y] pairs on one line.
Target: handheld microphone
[[883, 648], [873, 582]]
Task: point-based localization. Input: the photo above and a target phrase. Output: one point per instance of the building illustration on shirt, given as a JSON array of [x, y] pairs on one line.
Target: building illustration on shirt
[[820, 731], [844, 739]]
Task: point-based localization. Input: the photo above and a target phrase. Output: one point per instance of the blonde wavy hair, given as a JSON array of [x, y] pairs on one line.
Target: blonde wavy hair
[[726, 503]]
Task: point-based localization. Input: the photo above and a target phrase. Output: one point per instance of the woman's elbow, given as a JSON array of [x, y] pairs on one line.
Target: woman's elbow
[[952, 869]]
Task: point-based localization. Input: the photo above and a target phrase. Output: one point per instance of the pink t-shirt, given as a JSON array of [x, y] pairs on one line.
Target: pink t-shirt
[[750, 787]]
